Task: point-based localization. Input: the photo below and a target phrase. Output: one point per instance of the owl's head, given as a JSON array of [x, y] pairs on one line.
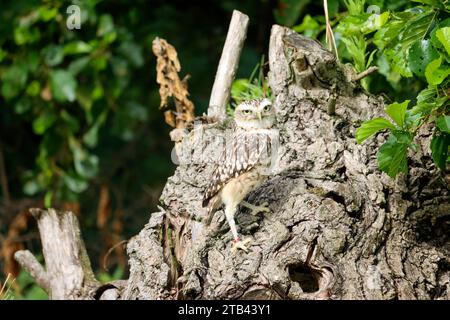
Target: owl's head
[[255, 114]]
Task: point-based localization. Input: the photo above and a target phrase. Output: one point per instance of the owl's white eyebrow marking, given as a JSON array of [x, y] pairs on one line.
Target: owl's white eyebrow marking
[[265, 102]]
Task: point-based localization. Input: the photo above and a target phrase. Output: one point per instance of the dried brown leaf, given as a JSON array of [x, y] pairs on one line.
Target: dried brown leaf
[[167, 68]]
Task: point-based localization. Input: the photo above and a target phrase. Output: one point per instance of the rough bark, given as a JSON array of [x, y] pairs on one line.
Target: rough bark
[[338, 227]]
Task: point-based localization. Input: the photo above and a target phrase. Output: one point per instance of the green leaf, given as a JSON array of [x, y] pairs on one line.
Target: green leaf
[[375, 22], [370, 127], [397, 36], [105, 25], [74, 182], [427, 101], [34, 88], [434, 3], [397, 112], [78, 65], [44, 121], [433, 37], [443, 35], [356, 46], [23, 35], [435, 73], [439, 149], [427, 95], [71, 121], [412, 120], [132, 52], [63, 85], [90, 138], [48, 199], [443, 123], [392, 157], [22, 106], [13, 80], [391, 30], [309, 27], [354, 6], [32, 186], [53, 55], [47, 13], [3, 54], [77, 47], [398, 59], [416, 28], [370, 59], [420, 55], [86, 165]]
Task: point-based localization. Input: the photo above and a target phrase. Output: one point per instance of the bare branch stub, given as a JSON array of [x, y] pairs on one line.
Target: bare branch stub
[[229, 61], [26, 259], [365, 73]]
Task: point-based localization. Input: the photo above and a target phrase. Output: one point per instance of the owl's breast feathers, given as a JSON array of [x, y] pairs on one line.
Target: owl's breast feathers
[[245, 152]]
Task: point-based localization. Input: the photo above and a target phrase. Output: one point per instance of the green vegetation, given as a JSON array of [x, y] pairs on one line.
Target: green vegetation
[[409, 42]]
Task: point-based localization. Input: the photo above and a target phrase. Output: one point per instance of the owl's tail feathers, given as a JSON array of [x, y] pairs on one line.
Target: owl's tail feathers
[[205, 202], [211, 205]]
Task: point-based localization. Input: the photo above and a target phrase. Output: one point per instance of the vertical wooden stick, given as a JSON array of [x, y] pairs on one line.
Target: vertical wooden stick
[[228, 64]]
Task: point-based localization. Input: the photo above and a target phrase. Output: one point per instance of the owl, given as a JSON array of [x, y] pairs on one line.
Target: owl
[[243, 165]]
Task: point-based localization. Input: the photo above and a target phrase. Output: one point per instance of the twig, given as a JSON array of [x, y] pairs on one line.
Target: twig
[[110, 250], [329, 32], [26, 259], [365, 73], [228, 65]]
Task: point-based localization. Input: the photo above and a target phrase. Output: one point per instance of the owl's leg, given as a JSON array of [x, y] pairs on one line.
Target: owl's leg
[[237, 242], [256, 209]]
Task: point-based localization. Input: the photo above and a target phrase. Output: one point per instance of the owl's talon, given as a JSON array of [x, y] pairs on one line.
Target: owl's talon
[[239, 244], [256, 209]]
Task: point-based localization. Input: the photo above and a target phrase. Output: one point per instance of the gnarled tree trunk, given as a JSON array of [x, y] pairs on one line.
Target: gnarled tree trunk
[[338, 227]]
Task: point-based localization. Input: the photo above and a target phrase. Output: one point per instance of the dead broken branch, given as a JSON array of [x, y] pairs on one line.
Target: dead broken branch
[[229, 61]]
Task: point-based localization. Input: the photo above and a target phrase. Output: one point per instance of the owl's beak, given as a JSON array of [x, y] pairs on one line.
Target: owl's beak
[[259, 116]]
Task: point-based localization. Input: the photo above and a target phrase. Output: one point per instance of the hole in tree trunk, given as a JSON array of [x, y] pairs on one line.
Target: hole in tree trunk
[[304, 276], [437, 233]]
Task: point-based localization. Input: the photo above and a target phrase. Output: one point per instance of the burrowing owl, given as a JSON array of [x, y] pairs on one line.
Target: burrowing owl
[[244, 164]]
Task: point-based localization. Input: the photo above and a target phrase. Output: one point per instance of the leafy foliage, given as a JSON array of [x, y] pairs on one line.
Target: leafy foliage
[[68, 89], [409, 42], [416, 44]]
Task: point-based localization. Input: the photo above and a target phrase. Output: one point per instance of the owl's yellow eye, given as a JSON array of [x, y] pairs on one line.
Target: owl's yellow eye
[[247, 112], [266, 108]]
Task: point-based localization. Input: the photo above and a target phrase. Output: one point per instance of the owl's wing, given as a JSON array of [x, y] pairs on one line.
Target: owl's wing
[[238, 157]]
